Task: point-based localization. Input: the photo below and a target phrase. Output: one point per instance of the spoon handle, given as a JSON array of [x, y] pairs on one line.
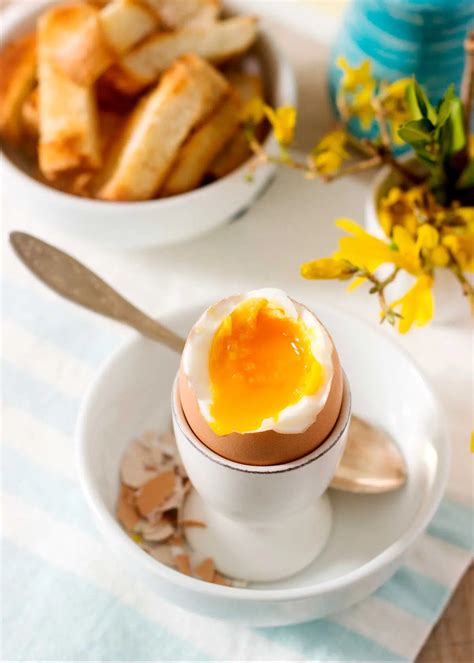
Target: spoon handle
[[72, 280]]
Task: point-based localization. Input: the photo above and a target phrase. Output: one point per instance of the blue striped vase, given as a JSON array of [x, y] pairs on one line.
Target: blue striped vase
[[405, 37]]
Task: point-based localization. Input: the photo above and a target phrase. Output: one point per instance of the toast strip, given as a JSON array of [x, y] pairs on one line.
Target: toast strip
[[202, 147], [67, 112], [30, 113], [18, 73], [215, 42], [175, 14], [234, 154], [120, 25], [237, 150], [186, 94], [103, 38]]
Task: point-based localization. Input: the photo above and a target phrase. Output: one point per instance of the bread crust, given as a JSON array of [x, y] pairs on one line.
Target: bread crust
[[67, 112], [186, 94], [103, 38], [216, 42], [174, 15], [202, 146], [18, 73], [121, 24], [237, 150]]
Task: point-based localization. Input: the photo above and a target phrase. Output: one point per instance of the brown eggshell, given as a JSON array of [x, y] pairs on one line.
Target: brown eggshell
[[268, 447]]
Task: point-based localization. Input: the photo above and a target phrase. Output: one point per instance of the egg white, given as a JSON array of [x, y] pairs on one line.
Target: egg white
[[295, 418]]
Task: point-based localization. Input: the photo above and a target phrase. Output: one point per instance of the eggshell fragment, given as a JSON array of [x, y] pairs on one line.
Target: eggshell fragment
[[161, 552], [152, 495], [139, 463], [160, 531], [126, 512], [220, 580], [206, 570], [182, 564]]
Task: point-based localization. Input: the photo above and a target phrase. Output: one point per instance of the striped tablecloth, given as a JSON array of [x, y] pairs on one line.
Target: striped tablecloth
[[65, 597]]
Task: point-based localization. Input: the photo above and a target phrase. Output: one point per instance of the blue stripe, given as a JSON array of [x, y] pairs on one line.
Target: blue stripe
[[52, 615], [324, 640], [415, 593], [58, 322], [60, 497], [454, 523], [22, 390]]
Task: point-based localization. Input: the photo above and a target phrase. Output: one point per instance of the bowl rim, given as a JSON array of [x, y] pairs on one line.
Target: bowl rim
[[336, 435], [113, 532], [13, 18]]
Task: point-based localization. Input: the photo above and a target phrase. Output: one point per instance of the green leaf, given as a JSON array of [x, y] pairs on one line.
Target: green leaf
[[456, 120], [445, 138], [416, 131], [445, 105], [419, 104], [425, 156], [466, 181], [412, 102]]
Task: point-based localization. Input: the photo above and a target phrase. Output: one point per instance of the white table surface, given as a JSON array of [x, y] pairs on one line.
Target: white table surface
[[292, 223]]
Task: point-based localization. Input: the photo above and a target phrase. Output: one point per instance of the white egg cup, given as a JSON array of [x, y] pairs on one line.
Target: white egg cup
[[263, 523]]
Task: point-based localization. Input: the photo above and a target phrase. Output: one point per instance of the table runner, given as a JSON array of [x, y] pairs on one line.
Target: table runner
[[67, 598]]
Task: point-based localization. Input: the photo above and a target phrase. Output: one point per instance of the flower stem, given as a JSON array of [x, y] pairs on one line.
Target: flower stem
[[379, 114], [357, 167], [379, 288], [368, 148], [467, 288]]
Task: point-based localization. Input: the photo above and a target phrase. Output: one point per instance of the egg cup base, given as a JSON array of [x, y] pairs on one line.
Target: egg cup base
[[259, 552]]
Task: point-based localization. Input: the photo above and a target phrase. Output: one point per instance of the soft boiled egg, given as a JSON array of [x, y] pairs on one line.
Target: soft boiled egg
[[260, 381]]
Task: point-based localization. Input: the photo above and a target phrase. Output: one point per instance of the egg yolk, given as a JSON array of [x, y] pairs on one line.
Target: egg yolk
[[260, 362]]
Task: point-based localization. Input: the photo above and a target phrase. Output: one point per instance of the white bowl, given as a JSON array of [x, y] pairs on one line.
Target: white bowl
[[370, 534], [157, 222]]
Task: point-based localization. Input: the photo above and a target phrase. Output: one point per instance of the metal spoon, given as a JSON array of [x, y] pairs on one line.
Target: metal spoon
[[372, 462]]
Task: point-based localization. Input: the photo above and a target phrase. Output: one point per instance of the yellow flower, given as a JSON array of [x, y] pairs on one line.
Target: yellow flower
[[334, 140], [356, 283], [329, 154], [396, 91], [283, 121], [362, 250], [462, 248], [416, 305], [398, 208], [439, 256], [467, 215], [471, 146], [408, 251], [327, 268], [253, 111], [393, 101], [327, 163], [357, 88], [353, 77], [428, 237], [361, 105]]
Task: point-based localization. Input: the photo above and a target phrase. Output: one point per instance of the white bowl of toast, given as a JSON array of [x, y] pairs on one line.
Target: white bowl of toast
[[121, 121]]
